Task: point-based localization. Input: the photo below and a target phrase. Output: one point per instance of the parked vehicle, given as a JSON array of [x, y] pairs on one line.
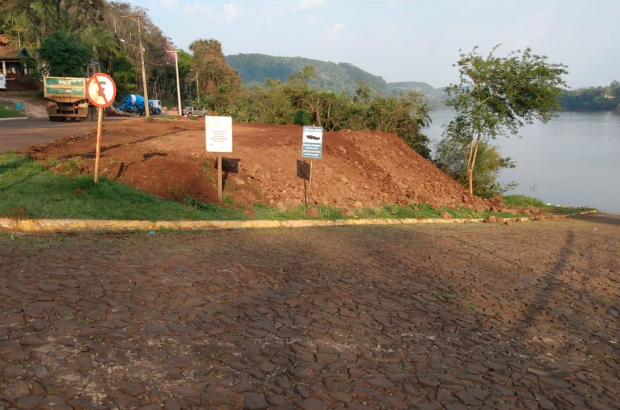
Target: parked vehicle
[[133, 103], [67, 99], [2, 82], [191, 111], [155, 107]]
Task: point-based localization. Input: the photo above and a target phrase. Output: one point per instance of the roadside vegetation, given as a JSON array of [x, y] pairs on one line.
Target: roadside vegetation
[[28, 189], [7, 110]]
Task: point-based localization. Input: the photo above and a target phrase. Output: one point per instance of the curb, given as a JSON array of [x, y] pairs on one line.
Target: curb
[[76, 225], [14, 118]]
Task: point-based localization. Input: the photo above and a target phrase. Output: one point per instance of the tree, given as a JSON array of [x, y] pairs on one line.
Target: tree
[[64, 55], [451, 158], [218, 81], [498, 95], [49, 16]]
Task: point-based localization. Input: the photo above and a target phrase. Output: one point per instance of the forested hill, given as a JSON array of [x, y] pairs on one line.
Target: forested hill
[[254, 68]]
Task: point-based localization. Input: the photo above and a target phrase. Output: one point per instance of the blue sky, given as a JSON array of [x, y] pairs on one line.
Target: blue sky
[[405, 40]]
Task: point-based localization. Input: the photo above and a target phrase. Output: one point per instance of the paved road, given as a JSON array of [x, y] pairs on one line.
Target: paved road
[[525, 316], [21, 134]]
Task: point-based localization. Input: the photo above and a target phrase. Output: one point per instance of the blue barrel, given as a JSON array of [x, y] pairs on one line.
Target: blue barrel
[[19, 106]]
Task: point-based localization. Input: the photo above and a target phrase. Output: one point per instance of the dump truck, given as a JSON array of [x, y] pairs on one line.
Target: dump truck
[[67, 99]]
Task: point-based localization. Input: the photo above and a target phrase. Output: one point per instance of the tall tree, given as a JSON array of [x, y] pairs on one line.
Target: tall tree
[[216, 79], [64, 56], [498, 95], [49, 16]]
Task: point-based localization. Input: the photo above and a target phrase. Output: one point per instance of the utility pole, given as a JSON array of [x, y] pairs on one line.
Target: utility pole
[[136, 18], [176, 65]]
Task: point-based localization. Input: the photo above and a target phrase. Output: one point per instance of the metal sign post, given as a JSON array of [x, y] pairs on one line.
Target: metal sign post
[[219, 139], [311, 147], [101, 92]]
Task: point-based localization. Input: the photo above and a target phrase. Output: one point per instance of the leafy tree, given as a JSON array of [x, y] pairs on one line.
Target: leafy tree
[[125, 75], [49, 16], [451, 159], [216, 78], [64, 56], [498, 95]]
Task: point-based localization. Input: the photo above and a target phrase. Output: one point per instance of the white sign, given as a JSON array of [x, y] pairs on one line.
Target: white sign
[[312, 142], [219, 134], [101, 90]]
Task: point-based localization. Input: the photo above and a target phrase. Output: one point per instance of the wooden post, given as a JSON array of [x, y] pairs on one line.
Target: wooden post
[[219, 177], [98, 149], [309, 182]]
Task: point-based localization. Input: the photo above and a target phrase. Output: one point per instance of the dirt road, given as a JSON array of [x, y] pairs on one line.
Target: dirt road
[[420, 317], [21, 134]]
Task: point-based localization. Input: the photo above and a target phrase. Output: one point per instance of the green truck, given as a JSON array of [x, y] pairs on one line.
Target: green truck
[[67, 99]]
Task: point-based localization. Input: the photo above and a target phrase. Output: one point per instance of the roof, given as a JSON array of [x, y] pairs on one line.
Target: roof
[[13, 53]]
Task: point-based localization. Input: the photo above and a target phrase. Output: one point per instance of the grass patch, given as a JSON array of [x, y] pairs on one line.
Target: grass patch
[[527, 201], [523, 200], [10, 111], [29, 190]]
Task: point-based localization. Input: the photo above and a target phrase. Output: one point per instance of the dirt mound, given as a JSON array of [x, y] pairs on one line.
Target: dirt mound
[[168, 159]]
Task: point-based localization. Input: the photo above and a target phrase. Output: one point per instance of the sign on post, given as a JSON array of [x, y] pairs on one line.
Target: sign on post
[[101, 92], [311, 147], [219, 139], [312, 142], [219, 134]]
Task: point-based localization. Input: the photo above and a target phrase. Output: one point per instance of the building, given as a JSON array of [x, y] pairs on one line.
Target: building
[[11, 62], [13, 67]]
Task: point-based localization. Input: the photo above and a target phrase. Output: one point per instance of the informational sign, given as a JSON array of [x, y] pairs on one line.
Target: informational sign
[[312, 142], [101, 90], [219, 134]]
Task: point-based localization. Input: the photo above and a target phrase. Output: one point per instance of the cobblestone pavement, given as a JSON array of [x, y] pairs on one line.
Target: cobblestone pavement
[[428, 317]]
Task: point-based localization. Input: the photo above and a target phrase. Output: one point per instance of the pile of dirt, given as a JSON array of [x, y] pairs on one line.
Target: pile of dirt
[[168, 159]]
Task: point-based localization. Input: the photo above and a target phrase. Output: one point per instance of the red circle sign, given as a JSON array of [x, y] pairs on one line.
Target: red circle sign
[[101, 90]]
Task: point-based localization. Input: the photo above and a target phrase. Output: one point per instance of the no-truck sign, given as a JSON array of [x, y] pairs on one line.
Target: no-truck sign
[[101, 90], [312, 142]]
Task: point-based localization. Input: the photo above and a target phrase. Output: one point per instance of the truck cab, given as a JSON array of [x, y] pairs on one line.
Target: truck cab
[[155, 107]]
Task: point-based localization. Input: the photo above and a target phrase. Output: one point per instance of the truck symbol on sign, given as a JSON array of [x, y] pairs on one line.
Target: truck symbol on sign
[[312, 137]]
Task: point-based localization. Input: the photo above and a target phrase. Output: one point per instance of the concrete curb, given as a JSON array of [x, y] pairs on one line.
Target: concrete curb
[[14, 118], [73, 225]]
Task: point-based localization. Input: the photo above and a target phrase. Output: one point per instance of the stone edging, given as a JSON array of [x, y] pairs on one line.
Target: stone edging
[[72, 225], [14, 118]]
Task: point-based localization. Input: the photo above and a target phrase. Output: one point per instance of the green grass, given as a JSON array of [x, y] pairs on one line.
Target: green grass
[[29, 190], [10, 112], [522, 200]]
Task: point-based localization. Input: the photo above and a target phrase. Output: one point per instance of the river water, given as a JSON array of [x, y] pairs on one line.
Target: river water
[[572, 160]]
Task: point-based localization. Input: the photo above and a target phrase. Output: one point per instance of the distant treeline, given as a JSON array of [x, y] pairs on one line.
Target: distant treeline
[[342, 77], [592, 99]]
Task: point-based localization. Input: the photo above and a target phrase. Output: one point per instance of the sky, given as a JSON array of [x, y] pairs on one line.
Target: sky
[[405, 40]]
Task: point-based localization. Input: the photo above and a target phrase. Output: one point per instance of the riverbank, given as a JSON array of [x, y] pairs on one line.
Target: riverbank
[[567, 161]]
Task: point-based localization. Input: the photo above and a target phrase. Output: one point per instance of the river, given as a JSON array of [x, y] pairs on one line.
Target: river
[[572, 160]]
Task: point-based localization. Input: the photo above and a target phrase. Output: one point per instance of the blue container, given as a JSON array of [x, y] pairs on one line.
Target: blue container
[[19, 106]]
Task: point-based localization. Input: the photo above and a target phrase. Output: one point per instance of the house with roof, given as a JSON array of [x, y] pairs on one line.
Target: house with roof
[[11, 59]]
